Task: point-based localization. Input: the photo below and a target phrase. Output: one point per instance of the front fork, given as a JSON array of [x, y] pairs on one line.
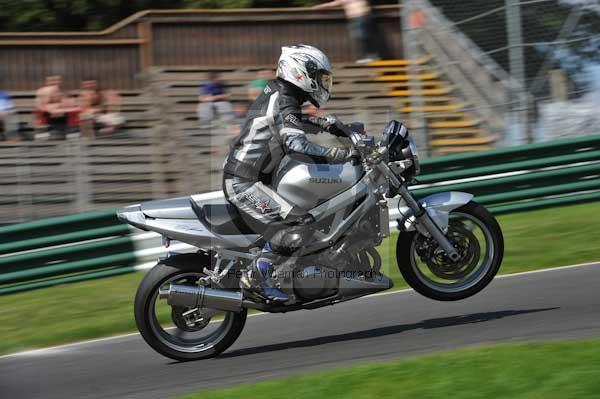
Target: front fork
[[425, 221], [422, 216]]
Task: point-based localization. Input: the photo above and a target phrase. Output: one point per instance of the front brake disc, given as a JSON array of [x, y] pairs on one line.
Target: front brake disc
[[468, 248]]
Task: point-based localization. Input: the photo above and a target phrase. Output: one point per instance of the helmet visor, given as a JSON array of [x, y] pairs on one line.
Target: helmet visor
[[325, 80]]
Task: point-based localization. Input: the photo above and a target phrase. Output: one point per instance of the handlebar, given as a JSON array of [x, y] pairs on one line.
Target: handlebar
[[354, 137], [368, 150], [364, 144]]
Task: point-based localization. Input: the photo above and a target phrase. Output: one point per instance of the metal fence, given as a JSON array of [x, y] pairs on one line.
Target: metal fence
[[96, 245], [56, 178], [544, 51]]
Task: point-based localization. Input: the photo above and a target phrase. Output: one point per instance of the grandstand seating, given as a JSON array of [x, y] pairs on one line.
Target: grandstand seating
[[450, 125], [357, 96], [372, 94]]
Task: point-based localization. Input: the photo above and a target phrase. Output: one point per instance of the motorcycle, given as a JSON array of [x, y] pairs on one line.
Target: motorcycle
[[194, 305]]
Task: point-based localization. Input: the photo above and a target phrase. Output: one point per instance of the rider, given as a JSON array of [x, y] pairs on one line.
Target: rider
[[274, 127]]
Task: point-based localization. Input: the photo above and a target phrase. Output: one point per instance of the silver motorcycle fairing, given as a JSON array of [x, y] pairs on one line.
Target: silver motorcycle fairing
[[438, 206], [308, 184], [338, 205], [174, 208], [189, 230]]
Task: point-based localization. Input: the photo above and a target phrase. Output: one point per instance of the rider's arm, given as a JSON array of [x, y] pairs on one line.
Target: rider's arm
[[293, 134], [326, 124]]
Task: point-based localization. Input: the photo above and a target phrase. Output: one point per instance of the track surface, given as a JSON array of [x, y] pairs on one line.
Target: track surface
[[547, 305]]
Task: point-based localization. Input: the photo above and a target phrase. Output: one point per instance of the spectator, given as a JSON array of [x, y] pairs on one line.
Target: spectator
[[110, 121], [90, 103], [54, 108], [90, 96], [100, 110], [8, 119], [213, 100], [257, 85], [363, 28]]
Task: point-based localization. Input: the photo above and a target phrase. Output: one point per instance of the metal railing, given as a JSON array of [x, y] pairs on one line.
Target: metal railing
[[96, 245]]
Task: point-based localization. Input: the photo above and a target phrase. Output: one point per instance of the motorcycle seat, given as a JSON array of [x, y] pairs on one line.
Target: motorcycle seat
[[222, 219]]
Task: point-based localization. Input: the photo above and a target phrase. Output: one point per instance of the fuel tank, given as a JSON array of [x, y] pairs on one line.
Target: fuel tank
[[308, 184]]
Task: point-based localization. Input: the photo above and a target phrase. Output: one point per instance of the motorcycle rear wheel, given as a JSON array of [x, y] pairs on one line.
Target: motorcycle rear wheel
[[476, 232], [208, 336]]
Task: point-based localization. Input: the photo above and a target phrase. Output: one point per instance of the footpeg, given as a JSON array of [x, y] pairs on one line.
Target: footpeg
[[246, 279]]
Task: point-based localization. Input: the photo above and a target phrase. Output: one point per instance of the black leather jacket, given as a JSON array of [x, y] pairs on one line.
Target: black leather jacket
[[274, 127]]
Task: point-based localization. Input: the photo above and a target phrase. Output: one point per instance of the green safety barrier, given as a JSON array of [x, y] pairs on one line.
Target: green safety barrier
[[64, 249], [501, 156], [94, 245]]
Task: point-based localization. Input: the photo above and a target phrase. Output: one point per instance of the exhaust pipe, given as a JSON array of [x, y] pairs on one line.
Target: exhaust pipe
[[201, 297]]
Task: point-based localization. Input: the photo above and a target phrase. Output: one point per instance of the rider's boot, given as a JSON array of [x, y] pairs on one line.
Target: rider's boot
[[264, 266]]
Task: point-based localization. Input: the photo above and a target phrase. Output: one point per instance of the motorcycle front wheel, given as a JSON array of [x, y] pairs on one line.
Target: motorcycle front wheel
[[179, 333], [475, 234]]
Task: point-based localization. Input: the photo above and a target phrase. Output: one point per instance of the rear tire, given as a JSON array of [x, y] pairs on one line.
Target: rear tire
[[146, 324], [406, 258]]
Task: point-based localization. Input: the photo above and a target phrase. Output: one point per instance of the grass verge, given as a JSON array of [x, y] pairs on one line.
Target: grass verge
[[93, 309], [567, 369]]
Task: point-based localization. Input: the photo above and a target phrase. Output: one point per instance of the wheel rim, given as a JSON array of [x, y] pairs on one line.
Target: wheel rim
[[470, 235], [183, 329]]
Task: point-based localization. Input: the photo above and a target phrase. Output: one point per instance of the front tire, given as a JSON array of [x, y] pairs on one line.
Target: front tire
[[184, 342], [471, 226]]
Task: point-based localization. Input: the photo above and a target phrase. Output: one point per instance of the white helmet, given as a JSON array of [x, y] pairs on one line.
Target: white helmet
[[308, 68]]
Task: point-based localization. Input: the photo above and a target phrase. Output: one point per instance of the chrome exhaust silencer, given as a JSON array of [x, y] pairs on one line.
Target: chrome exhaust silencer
[[202, 297]]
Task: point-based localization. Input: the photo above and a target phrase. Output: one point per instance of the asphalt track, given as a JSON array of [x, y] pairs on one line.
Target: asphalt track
[[563, 303]]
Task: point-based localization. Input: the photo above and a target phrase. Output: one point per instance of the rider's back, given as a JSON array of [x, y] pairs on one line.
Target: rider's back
[[260, 147]]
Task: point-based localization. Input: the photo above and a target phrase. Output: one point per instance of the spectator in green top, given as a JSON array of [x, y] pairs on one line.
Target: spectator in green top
[[257, 85]]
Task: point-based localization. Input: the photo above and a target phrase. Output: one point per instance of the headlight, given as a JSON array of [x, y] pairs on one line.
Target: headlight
[[410, 152]]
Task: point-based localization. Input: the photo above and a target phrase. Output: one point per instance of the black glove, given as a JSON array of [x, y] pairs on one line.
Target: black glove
[[328, 124]]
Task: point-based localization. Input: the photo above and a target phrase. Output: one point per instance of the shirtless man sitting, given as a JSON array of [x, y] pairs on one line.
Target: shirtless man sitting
[[53, 106]]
